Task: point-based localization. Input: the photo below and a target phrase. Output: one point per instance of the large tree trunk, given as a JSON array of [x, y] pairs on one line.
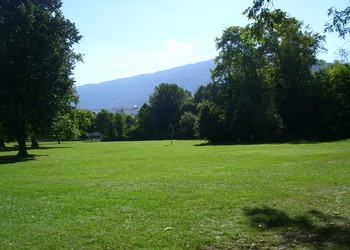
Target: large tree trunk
[[35, 143], [2, 143], [22, 153]]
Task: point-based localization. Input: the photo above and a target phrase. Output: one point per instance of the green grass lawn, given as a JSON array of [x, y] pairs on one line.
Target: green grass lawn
[[127, 195]]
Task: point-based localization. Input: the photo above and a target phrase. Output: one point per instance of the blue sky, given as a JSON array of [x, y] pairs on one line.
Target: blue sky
[[124, 38]]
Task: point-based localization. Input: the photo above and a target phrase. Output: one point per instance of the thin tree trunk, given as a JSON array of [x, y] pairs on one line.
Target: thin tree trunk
[[35, 143], [22, 153], [2, 143], [58, 140]]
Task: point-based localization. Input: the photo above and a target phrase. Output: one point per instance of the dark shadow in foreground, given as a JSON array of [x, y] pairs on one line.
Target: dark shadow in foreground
[[296, 142], [15, 148], [11, 159], [313, 228]]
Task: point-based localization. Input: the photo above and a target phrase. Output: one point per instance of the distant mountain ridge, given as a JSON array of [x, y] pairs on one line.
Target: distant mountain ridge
[[131, 91]]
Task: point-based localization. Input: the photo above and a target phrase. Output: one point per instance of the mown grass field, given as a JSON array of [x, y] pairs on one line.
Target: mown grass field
[[129, 195]]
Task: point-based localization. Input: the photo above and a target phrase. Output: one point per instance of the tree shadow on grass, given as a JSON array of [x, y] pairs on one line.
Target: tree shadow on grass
[[44, 148], [11, 159], [9, 149], [313, 228], [15, 148], [295, 142]]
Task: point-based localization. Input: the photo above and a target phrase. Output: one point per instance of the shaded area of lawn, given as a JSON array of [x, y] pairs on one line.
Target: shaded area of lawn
[[313, 228], [12, 159], [295, 142], [15, 148]]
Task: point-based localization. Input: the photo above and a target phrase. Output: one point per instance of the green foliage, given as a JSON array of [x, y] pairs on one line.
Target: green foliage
[[189, 105], [340, 22], [119, 120], [258, 9], [2, 137], [131, 125], [334, 82], [187, 125], [267, 85], [166, 103], [65, 127], [146, 129], [209, 123], [73, 124], [208, 92], [244, 90], [36, 63], [262, 80], [105, 125], [118, 126], [85, 120]]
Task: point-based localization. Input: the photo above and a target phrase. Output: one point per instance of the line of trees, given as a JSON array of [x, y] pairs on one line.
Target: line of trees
[[244, 104], [267, 84]]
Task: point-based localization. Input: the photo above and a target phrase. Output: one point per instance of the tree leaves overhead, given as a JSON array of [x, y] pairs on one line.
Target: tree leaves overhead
[[340, 22], [259, 8]]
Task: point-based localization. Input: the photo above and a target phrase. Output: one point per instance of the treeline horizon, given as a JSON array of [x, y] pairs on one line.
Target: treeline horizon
[[268, 85]]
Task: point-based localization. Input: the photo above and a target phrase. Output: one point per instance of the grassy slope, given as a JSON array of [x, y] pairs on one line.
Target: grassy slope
[[152, 195]]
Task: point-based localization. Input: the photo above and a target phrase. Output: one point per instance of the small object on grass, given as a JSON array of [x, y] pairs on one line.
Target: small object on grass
[[168, 228], [171, 133]]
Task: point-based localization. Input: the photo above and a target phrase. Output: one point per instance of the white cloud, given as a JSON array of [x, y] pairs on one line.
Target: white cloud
[[172, 47]]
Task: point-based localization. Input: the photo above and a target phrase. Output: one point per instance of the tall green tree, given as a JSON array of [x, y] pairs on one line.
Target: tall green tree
[[166, 105], [187, 125], [334, 82], [105, 125], [241, 76], [36, 63], [65, 127], [290, 53], [146, 128], [209, 92], [264, 74], [209, 123], [73, 124], [119, 121], [2, 137], [84, 119]]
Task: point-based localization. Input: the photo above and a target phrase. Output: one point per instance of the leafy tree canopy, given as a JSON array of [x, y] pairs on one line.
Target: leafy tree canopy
[[36, 63], [340, 22], [166, 103]]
